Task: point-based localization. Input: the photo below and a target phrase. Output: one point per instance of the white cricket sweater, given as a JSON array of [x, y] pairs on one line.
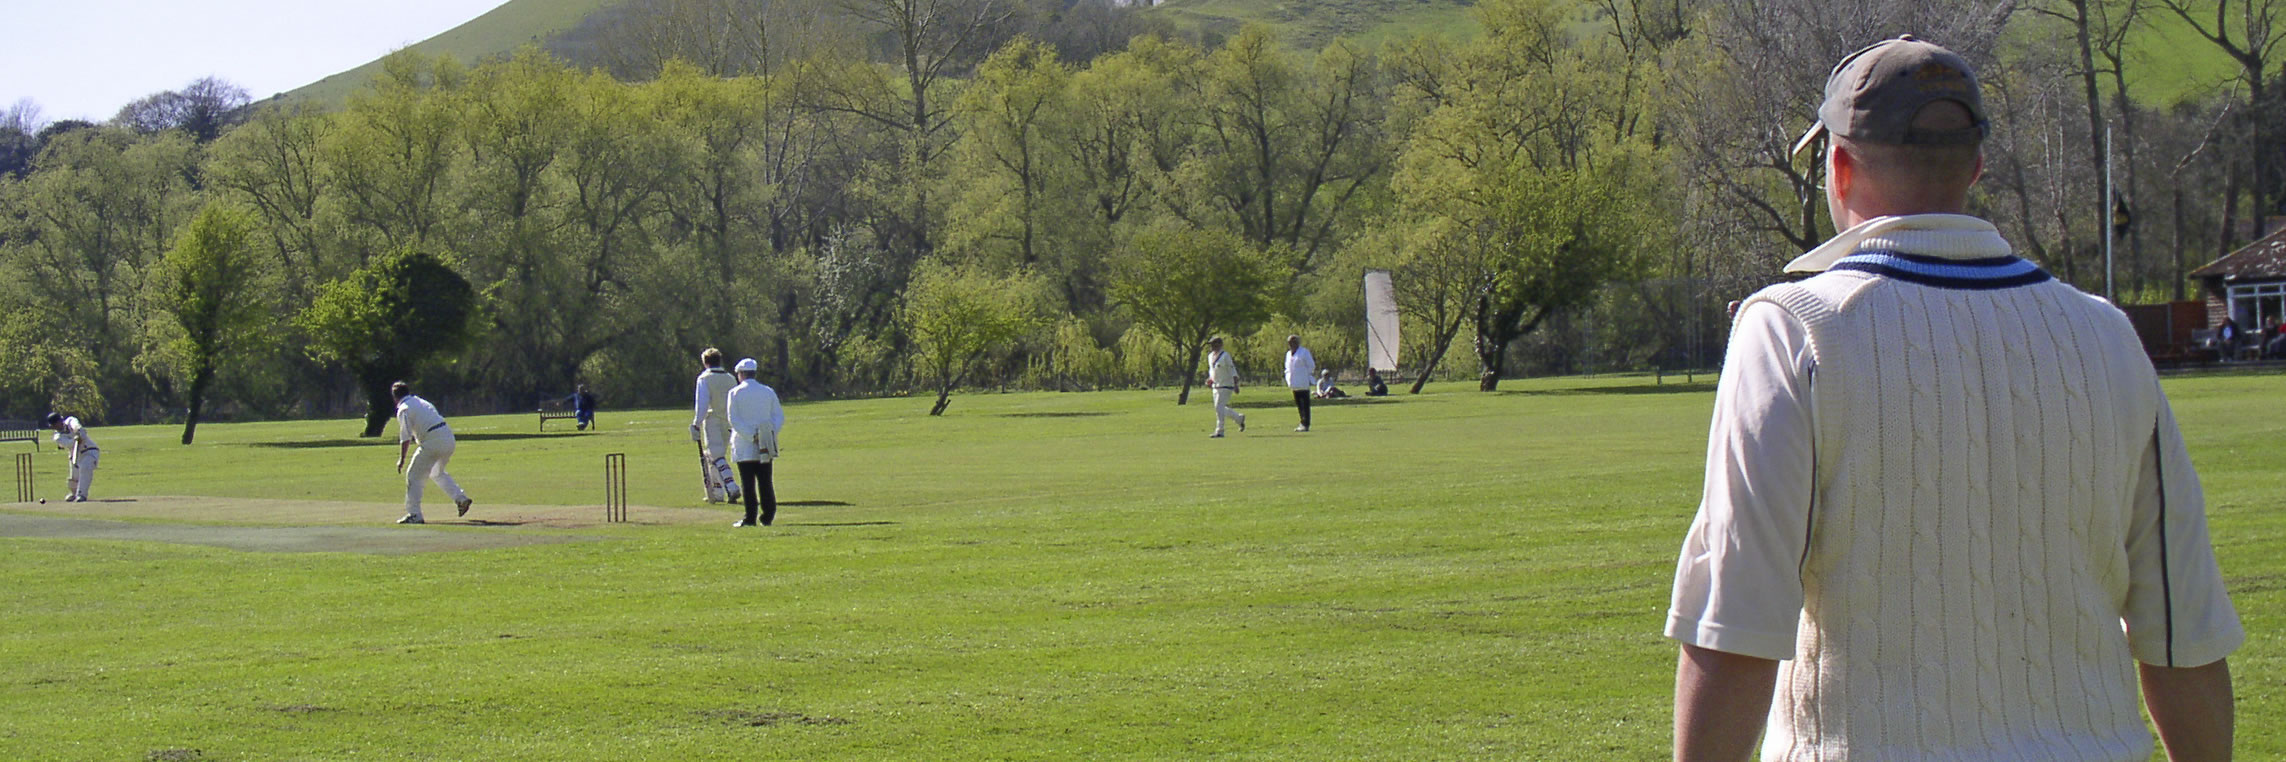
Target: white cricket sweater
[[1984, 514]]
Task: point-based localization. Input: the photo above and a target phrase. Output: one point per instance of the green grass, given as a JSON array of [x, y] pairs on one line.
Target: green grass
[[1032, 576], [499, 31]]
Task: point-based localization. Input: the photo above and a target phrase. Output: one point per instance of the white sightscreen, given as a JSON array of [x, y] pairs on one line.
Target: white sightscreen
[[1380, 321]]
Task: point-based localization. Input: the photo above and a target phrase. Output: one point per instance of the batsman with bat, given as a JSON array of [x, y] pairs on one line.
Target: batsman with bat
[[710, 427]]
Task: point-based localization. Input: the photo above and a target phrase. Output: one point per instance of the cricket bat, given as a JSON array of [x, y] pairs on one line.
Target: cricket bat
[[706, 470]]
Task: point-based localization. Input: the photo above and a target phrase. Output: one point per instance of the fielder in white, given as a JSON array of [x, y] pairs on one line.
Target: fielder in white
[[1222, 375], [418, 422], [755, 418], [710, 419], [70, 435]]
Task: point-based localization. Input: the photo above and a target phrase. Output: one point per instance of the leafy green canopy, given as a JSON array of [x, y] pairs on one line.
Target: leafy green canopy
[[1183, 285], [215, 289], [384, 319]]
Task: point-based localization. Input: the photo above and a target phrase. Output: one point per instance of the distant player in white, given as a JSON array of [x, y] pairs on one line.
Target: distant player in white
[[418, 422], [72, 436], [1222, 376], [755, 418], [710, 417], [1300, 366]]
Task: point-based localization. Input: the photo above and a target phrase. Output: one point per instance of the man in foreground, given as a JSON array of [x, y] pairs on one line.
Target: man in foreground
[[72, 436], [710, 426], [1300, 366], [1222, 377], [755, 418], [1938, 481], [418, 422]]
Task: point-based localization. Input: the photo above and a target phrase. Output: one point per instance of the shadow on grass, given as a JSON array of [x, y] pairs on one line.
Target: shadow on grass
[[1677, 387], [316, 444], [1054, 415], [488, 523], [837, 523], [1287, 402]]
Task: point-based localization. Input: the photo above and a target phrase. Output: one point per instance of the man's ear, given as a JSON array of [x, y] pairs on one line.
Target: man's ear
[[1843, 173]]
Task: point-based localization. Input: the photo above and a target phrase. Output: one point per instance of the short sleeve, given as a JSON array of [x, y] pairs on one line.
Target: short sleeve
[[1738, 584], [404, 424], [2177, 613]]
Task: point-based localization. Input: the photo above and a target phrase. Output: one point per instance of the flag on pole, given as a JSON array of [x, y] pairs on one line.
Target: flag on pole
[[1380, 321]]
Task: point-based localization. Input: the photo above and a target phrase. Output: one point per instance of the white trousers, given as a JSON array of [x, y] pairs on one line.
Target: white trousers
[[1222, 410], [721, 481], [82, 474], [428, 462]]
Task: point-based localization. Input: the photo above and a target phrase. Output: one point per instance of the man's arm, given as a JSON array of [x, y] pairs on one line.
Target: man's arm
[[2192, 707], [698, 407], [403, 446], [1721, 700]]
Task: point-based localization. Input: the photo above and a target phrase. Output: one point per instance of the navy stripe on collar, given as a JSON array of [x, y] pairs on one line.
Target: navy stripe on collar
[[1938, 272]]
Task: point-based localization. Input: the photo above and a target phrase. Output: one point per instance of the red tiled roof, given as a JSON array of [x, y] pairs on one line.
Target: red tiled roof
[[2265, 258]]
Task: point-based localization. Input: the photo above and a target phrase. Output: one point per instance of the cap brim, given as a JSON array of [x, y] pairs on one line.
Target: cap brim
[[1817, 130]]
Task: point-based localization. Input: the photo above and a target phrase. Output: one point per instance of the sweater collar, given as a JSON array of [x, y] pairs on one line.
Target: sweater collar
[[1944, 236]]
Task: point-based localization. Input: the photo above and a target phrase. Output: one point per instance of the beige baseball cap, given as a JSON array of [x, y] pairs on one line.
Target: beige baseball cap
[[1874, 94]]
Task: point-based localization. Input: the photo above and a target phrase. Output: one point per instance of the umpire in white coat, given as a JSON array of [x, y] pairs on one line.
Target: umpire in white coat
[[755, 418], [1300, 369]]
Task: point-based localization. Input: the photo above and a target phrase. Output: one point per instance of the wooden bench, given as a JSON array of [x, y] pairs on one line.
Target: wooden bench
[[555, 410], [19, 431]]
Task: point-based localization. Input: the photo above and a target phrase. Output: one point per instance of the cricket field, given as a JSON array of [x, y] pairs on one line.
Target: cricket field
[[1046, 576]]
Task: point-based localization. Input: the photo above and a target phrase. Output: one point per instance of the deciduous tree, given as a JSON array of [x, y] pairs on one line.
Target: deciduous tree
[[958, 315], [1185, 284], [213, 291]]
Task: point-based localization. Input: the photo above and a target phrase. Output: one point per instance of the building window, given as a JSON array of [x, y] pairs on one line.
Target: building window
[[2258, 306]]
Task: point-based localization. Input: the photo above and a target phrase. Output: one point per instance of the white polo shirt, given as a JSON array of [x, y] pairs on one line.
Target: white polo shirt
[[419, 421]]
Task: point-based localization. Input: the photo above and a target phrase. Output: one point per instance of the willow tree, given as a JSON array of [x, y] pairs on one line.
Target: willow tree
[[957, 317], [1184, 284]]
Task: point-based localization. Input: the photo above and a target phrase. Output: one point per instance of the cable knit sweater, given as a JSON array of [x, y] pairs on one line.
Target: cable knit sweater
[[1984, 510]]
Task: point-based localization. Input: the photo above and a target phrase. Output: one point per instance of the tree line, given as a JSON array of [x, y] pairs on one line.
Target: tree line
[[1582, 186]]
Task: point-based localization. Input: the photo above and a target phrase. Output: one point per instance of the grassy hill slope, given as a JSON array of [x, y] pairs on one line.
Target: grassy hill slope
[[1311, 24], [2170, 62], [500, 30]]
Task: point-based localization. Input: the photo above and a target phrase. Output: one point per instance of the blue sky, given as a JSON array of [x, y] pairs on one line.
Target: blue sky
[[83, 59]]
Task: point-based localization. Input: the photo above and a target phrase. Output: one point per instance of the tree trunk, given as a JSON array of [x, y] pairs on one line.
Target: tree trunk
[[1493, 356], [379, 405], [1444, 344], [944, 400], [199, 382], [2179, 279], [1190, 372]]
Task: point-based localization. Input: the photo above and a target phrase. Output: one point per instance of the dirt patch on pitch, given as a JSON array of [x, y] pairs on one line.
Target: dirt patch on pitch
[[296, 526]]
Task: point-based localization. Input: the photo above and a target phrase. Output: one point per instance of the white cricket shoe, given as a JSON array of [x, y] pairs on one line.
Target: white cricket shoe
[[463, 505], [411, 519], [1301, 428]]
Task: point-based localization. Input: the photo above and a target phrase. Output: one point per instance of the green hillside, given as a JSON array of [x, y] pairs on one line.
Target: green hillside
[[1313, 23], [500, 30], [1305, 23], [2170, 61]]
